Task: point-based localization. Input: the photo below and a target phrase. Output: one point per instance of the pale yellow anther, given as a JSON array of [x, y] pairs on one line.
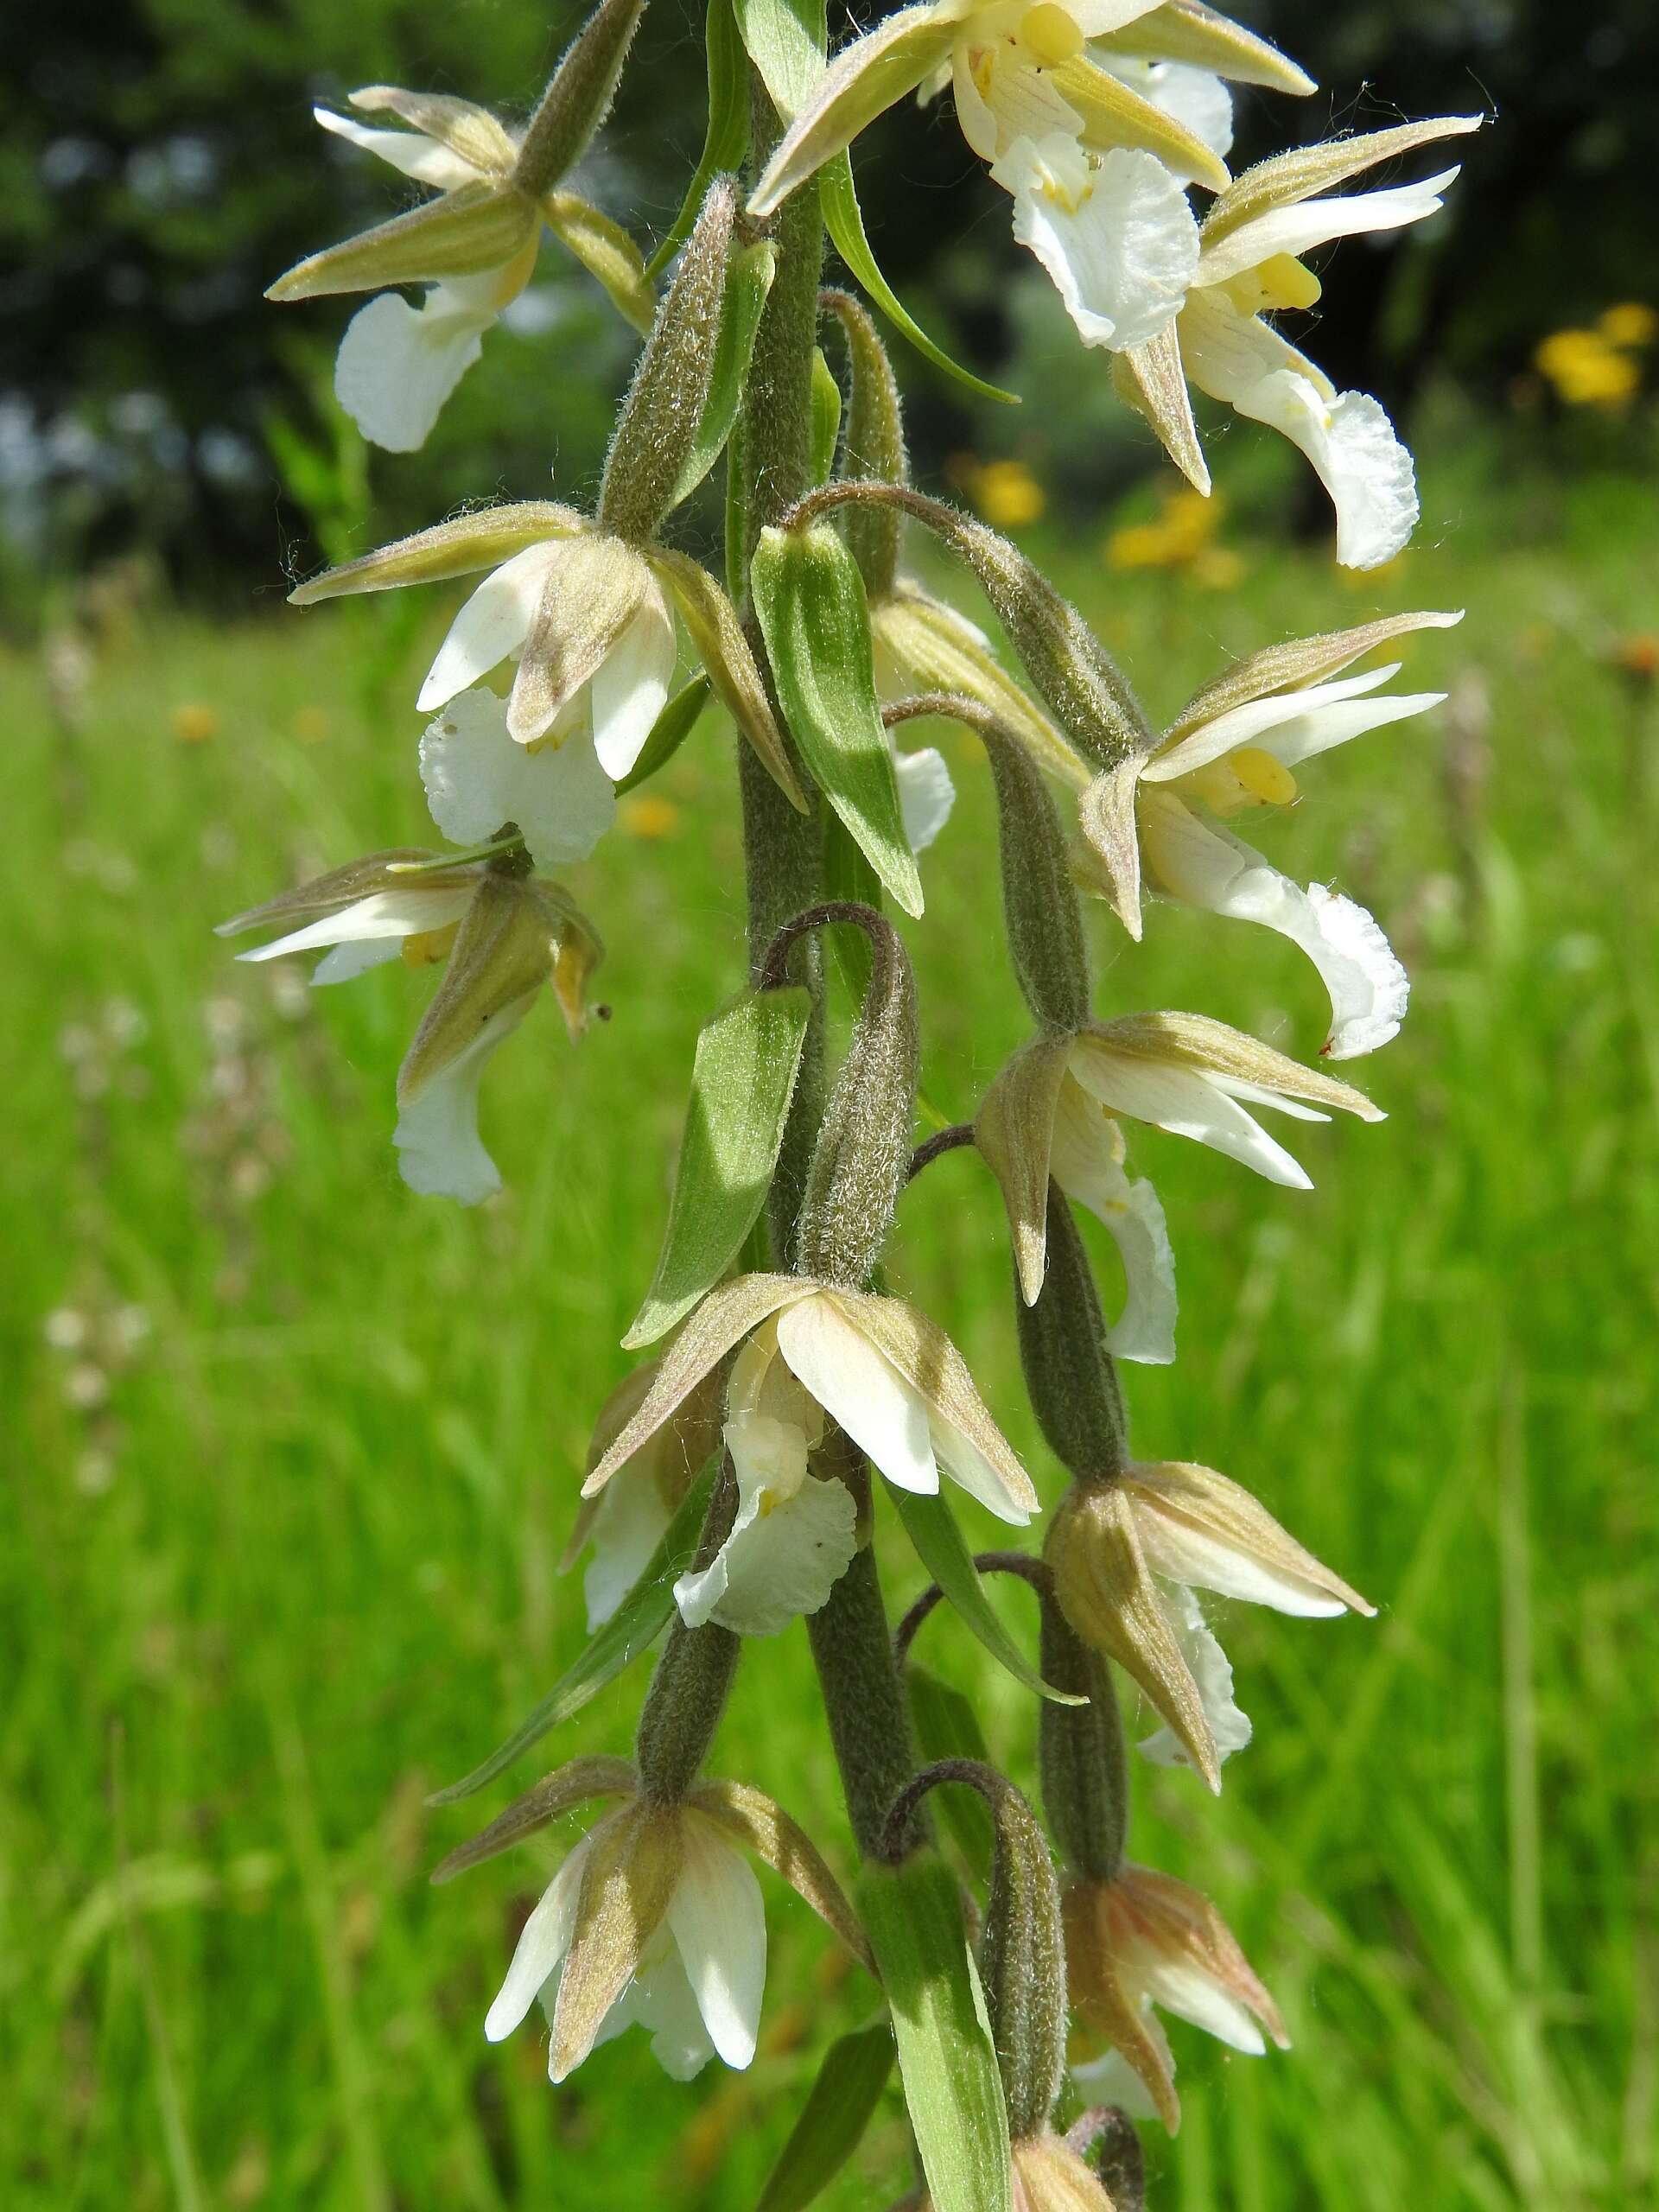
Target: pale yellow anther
[[1286, 283], [1263, 777], [1050, 35], [424, 948]]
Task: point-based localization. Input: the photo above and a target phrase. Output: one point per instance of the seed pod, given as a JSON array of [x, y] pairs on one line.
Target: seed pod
[[1071, 1377], [578, 97], [875, 444]]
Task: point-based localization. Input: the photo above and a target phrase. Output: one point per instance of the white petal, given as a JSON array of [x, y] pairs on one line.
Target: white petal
[[853, 1383], [425, 159], [1019, 101], [660, 1999], [394, 914], [1347, 437], [926, 795], [1210, 1669], [477, 777], [1264, 722], [1206, 866], [494, 622], [629, 1524], [1306, 737], [1182, 1988], [1098, 18], [1196, 99], [718, 1921], [630, 687], [440, 1152], [780, 1560], [966, 1464], [1187, 1105], [1116, 235], [1307, 222], [541, 1948], [1182, 1553], [1083, 1162], [347, 962], [398, 365]]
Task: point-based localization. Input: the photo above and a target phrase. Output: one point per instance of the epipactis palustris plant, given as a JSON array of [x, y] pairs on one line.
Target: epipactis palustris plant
[[732, 1486]]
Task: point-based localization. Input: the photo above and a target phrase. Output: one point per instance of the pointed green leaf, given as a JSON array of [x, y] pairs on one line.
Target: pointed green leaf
[[741, 1082], [931, 1526], [726, 142], [833, 2120], [947, 1727], [786, 40], [809, 597], [912, 1916], [826, 417], [748, 279], [635, 1625], [846, 224], [670, 730]]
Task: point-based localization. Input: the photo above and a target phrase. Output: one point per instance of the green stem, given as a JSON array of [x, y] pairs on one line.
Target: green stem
[[864, 1700]]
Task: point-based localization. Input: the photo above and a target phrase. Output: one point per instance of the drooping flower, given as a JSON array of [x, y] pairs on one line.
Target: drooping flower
[[655, 1919], [1128, 1556], [585, 615], [889, 1377], [501, 936], [627, 1520], [1053, 1109], [555, 790], [1143, 1939], [1249, 268], [1235, 748]]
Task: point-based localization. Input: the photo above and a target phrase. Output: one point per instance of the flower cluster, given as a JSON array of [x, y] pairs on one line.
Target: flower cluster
[[736, 1478]]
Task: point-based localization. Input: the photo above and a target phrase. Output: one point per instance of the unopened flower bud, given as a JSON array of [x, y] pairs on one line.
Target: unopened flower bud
[[657, 426], [862, 1158], [875, 444]]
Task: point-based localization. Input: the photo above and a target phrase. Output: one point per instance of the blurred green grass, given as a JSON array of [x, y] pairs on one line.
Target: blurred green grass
[[293, 1454]]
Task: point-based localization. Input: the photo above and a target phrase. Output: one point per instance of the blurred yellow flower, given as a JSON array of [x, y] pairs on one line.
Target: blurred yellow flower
[[1005, 492], [1586, 369], [1182, 536], [195, 723], [1629, 323], [649, 816]]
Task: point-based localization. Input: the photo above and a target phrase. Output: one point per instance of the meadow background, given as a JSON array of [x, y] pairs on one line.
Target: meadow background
[[291, 1456]]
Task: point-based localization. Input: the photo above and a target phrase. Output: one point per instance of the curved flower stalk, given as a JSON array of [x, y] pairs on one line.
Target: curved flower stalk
[[1127, 1555], [1235, 749], [1053, 1110], [626, 1521], [654, 1920], [1249, 268], [886, 1374], [1143, 1939], [587, 618], [501, 936], [475, 246]]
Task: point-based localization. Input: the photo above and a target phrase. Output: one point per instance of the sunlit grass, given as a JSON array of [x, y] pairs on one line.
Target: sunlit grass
[[295, 1453]]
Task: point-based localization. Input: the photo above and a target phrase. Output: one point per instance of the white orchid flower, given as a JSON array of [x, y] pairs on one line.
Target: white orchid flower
[[686, 1959], [1030, 70], [501, 936], [1113, 231], [890, 1377], [1086, 1159], [1236, 749], [1249, 268], [1143, 1939], [625, 1523]]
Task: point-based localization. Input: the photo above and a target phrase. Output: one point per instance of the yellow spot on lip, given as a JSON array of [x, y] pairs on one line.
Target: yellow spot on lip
[[1264, 777], [424, 947]]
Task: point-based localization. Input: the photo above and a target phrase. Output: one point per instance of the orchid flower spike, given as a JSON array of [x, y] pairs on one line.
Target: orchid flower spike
[[500, 935], [1249, 268], [1143, 1939], [655, 1919]]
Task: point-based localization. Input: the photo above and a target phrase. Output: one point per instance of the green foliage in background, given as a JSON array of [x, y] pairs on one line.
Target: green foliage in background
[[292, 1457]]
